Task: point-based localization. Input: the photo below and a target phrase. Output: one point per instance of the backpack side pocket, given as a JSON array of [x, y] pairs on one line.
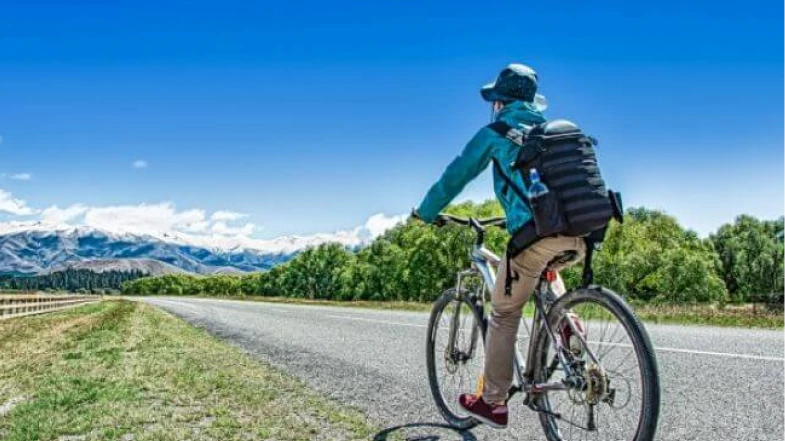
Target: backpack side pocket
[[547, 215]]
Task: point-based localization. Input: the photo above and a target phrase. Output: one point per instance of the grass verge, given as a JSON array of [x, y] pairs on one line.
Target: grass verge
[[739, 316], [367, 304], [121, 370]]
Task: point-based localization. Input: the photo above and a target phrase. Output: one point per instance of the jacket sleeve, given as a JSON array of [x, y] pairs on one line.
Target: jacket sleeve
[[474, 158]]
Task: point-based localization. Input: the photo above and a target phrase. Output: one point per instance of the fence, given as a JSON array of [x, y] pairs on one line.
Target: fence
[[19, 305]]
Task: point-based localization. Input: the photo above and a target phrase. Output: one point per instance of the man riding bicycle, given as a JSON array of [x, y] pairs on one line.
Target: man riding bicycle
[[514, 100]]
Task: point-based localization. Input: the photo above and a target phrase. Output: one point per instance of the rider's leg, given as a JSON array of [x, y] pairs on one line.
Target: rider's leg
[[506, 315]]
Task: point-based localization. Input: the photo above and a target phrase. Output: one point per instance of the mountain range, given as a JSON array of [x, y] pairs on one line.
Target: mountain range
[[149, 267], [36, 248]]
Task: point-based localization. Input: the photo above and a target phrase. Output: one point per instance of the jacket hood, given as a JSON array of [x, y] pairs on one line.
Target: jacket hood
[[520, 112]]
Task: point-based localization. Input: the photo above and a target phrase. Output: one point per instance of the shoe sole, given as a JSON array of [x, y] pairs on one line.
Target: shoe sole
[[484, 420]]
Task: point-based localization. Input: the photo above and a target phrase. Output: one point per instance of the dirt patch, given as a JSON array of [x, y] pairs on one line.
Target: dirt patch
[[9, 405]]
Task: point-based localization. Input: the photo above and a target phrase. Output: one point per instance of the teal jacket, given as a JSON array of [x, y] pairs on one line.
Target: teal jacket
[[483, 148]]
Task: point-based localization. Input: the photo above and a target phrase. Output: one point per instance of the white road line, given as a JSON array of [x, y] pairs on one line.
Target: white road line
[[692, 351], [720, 354], [176, 303], [361, 319], [657, 348]]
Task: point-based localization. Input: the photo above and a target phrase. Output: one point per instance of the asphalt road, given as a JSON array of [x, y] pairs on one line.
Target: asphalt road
[[717, 383]]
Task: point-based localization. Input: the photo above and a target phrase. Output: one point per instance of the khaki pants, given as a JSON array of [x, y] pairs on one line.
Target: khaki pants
[[506, 316]]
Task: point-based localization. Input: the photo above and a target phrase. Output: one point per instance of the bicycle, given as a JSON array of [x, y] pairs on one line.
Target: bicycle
[[571, 385]]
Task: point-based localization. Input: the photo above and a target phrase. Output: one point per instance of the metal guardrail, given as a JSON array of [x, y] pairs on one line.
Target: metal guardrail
[[20, 305]]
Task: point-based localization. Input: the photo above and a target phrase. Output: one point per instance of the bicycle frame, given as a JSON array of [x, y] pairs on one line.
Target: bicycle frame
[[582, 370], [483, 264]]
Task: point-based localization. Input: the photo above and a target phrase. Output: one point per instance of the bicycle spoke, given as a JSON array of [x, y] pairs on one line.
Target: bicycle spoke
[[612, 343], [456, 372], [608, 339]]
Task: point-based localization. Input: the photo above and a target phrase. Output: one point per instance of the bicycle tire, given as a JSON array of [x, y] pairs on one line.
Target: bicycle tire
[[644, 351], [449, 296]]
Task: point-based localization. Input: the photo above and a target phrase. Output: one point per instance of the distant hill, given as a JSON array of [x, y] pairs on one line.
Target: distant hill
[[148, 267]]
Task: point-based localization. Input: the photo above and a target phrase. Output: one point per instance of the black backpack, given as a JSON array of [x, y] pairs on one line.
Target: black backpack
[[577, 203]]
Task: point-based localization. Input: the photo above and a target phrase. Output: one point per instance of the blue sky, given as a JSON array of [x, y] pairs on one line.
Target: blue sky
[[308, 118]]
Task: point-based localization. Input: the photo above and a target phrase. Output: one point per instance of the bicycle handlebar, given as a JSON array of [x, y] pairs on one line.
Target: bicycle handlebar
[[477, 224]]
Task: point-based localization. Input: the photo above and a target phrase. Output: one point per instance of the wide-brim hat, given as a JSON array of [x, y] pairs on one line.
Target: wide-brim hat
[[516, 82]]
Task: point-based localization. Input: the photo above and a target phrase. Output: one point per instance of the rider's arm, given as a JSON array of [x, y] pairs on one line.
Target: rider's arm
[[474, 158]]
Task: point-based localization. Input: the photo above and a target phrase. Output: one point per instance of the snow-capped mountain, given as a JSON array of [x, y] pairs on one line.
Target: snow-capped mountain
[[37, 247]]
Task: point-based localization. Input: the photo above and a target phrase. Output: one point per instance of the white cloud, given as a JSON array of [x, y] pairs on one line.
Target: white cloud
[[189, 227], [227, 216], [12, 205], [57, 215], [222, 229], [152, 219], [21, 176], [162, 220], [377, 224], [139, 164], [196, 227]]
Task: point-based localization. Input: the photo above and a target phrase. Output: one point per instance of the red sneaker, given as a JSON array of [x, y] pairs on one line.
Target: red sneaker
[[494, 415], [569, 339]]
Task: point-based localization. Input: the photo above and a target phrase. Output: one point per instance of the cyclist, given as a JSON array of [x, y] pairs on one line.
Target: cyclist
[[514, 100]]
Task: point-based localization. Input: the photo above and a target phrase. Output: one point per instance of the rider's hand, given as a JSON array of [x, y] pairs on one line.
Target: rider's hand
[[440, 221]]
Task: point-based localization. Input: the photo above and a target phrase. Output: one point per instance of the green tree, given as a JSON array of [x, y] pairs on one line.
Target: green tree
[[751, 254], [315, 273], [652, 257]]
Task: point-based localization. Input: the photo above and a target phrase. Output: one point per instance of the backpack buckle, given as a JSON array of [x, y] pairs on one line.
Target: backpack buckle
[[516, 136]]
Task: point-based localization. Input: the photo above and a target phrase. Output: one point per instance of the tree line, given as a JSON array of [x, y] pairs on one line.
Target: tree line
[[650, 258], [81, 280]]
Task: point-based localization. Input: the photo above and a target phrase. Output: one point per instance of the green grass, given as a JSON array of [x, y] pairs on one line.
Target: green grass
[[742, 316], [738, 316], [121, 370]]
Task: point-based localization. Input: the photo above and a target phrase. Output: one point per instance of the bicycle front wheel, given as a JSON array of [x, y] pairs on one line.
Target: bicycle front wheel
[[455, 354], [612, 386]]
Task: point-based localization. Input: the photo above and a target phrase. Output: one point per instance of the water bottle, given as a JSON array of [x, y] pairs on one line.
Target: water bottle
[[537, 188], [544, 205]]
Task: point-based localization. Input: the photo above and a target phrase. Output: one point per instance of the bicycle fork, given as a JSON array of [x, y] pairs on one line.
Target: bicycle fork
[[456, 355]]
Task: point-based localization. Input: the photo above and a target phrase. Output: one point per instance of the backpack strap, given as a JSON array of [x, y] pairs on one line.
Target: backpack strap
[[503, 129], [510, 253], [521, 239], [499, 127], [518, 192], [527, 234]]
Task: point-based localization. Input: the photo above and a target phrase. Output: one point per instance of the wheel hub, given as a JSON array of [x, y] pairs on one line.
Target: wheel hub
[[453, 360]]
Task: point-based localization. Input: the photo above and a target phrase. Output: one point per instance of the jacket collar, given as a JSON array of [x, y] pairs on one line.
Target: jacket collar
[[520, 112]]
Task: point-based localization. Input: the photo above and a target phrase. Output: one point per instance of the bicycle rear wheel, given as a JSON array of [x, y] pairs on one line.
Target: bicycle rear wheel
[[455, 369], [617, 396]]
